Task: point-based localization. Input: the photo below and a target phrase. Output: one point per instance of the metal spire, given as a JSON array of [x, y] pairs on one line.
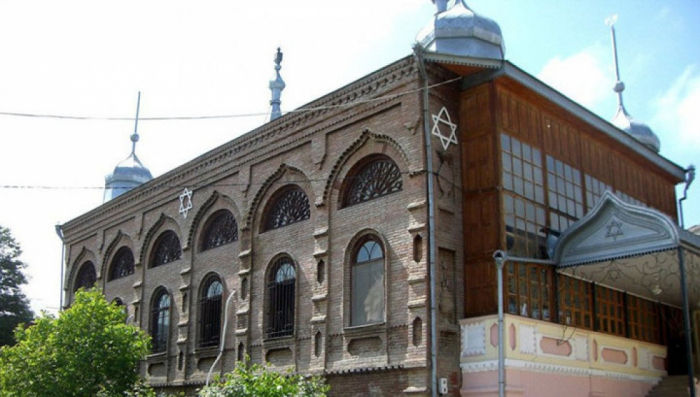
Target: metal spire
[[276, 86], [619, 85], [135, 135]]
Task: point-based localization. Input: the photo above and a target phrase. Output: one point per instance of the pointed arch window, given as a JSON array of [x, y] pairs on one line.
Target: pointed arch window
[[160, 320], [210, 302], [122, 264], [86, 277], [367, 283], [290, 206], [167, 249], [376, 178], [281, 298], [222, 229]]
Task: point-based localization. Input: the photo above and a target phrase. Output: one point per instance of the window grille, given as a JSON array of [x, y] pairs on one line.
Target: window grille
[[643, 319], [122, 264], [575, 302], [610, 311], [376, 179], [281, 297], [86, 277], [565, 194], [223, 229], [210, 312], [524, 204], [367, 284], [528, 290], [160, 321], [167, 249], [291, 206]]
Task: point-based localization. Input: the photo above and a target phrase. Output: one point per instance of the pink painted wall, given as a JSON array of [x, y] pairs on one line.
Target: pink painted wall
[[526, 383]]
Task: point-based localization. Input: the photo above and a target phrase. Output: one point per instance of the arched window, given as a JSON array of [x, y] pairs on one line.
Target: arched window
[[222, 229], [122, 264], [367, 283], [166, 249], [290, 206], [281, 297], [376, 178], [160, 320], [86, 277], [210, 301]]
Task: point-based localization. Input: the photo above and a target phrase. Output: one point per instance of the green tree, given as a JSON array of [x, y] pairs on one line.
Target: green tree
[[14, 306], [88, 350], [259, 381]]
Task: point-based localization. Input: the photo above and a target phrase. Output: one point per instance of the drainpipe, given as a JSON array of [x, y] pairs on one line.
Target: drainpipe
[[500, 258], [59, 233], [689, 178], [418, 52], [223, 337], [686, 321]]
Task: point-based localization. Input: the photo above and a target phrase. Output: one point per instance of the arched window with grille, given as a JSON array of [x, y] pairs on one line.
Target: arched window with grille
[[289, 206], [281, 286], [221, 229], [86, 277], [210, 304], [160, 320], [377, 177], [166, 249], [367, 283], [122, 264]]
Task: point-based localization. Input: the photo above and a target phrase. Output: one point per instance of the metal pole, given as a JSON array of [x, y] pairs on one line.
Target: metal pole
[[500, 259], [59, 232], [686, 321], [431, 223]]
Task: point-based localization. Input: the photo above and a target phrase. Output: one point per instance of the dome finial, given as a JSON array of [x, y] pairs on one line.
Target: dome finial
[[276, 86], [135, 135], [619, 85], [130, 173], [622, 119]]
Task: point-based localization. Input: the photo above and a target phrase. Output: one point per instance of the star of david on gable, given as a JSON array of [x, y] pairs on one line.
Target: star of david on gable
[[185, 202], [614, 230], [443, 118]]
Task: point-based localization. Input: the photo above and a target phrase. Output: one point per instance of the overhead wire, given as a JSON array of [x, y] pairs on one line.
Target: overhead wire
[[221, 116]]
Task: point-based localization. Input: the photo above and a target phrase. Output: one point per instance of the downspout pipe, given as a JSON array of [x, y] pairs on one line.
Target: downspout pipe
[[500, 258], [418, 52], [689, 178], [59, 233], [223, 336]]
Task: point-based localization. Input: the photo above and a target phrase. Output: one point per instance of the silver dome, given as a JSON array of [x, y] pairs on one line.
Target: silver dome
[[127, 175], [458, 30], [636, 129]]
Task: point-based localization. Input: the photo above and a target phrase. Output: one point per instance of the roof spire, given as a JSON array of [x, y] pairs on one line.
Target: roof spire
[[619, 85], [135, 135], [622, 119], [276, 86]]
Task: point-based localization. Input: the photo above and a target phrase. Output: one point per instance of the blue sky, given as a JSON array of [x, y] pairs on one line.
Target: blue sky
[[90, 58]]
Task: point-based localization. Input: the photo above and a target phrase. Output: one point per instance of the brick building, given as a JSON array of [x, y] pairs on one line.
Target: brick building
[[354, 237]]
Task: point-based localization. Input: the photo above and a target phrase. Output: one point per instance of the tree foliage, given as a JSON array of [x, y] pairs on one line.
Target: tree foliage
[[258, 381], [88, 350], [14, 306]]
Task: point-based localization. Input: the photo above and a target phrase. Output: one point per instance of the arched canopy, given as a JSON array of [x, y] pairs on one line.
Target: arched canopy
[[630, 248]]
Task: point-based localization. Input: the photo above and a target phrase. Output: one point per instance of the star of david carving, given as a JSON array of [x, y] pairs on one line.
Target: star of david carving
[[614, 230], [185, 202], [443, 119]]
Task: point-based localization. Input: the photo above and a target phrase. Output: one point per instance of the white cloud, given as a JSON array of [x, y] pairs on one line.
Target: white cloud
[[678, 111], [582, 77]]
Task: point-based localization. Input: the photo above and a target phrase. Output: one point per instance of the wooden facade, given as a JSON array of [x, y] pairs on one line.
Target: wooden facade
[[504, 106]]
